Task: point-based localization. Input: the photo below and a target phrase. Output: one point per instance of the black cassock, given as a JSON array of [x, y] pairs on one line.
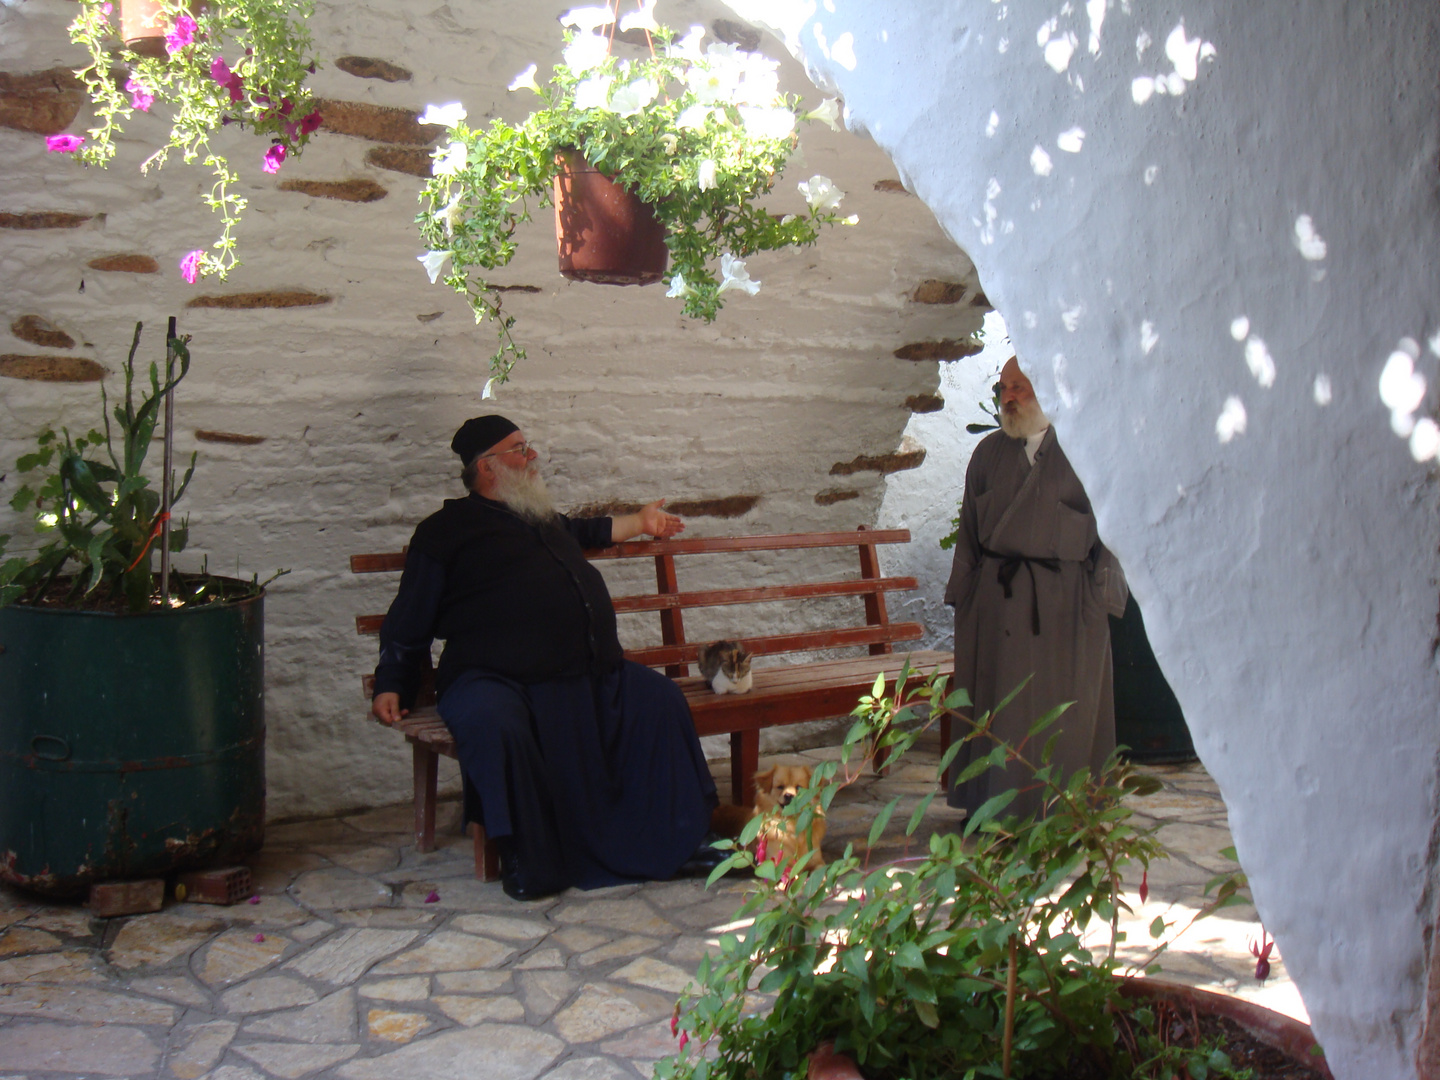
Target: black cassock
[[589, 762]]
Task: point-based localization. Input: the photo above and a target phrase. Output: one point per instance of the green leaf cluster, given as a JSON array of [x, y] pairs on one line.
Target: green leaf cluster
[[987, 954], [472, 213], [267, 43], [96, 513]]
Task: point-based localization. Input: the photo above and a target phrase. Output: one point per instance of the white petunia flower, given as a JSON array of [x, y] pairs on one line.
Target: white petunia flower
[[759, 87], [586, 19], [694, 117], [733, 275], [853, 219], [434, 262], [821, 193], [644, 19], [678, 287], [451, 161], [670, 142], [586, 51], [450, 213], [445, 115], [827, 113], [525, 81], [489, 391], [688, 47], [767, 123], [633, 97], [593, 93], [713, 84], [706, 179]]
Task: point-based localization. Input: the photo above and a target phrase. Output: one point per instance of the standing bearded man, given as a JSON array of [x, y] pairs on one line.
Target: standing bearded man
[[583, 766], [1032, 587]]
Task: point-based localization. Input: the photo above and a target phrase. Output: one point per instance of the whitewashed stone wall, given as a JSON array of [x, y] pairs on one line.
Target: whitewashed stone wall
[[1211, 227], [333, 418]]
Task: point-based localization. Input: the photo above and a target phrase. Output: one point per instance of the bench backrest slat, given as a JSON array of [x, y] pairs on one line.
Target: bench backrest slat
[[805, 641], [675, 653]]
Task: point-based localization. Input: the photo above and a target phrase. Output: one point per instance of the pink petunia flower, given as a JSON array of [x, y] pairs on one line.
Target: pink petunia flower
[[274, 158], [310, 123], [220, 71], [63, 144], [190, 270], [107, 8], [259, 938], [140, 95], [256, 898], [433, 898], [183, 34]]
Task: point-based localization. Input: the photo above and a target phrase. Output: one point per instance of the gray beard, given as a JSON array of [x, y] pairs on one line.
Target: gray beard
[[1028, 419], [524, 492]]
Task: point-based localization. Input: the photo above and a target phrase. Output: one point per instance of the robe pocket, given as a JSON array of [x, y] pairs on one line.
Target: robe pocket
[[1074, 534]]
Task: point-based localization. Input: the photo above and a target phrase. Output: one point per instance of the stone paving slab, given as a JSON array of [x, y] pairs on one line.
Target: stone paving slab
[[357, 977]]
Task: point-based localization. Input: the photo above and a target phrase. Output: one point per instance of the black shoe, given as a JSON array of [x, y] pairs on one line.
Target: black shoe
[[705, 859], [510, 873]]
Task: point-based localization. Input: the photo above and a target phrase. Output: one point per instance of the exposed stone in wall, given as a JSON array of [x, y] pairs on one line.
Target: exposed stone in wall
[[378, 123], [611, 508], [406, 159], [935, 291], [370, 67], [275, 299], [835, 495], [895, 461], [43, 219], [229, 437], [924, 403], [736, 33], [41, 331], [946, 349], [125, 264], [893, 186], [980, 300], [729, 506], [356, 190], [45, 102], [516, 288], [50, 368]]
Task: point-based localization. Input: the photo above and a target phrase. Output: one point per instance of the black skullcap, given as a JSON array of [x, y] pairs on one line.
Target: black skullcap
[[479, 434]]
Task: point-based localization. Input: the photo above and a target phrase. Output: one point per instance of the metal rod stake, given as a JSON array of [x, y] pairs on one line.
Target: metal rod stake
[[165, 484]]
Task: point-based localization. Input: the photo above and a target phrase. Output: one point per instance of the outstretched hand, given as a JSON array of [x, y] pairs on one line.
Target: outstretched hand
[[659, 523]]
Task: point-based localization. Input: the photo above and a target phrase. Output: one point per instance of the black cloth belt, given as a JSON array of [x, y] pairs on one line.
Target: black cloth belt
[[1010, 566]]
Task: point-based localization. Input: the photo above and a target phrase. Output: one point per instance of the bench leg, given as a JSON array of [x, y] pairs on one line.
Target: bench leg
[[427, 770], [744, 764], [487, 855]]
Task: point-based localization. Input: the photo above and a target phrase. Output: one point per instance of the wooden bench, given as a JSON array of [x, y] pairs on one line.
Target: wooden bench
[[781, 694]]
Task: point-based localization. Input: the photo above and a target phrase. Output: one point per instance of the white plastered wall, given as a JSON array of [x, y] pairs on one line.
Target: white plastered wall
[[1186, 213]]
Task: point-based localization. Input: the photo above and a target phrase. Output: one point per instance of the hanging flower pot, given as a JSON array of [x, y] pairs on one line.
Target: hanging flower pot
[[143, 25], [604, 233]]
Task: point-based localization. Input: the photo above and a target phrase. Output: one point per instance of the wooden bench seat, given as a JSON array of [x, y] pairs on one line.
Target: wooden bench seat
[[781, 693]]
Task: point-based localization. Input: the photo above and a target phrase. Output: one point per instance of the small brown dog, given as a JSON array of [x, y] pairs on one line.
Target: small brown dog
[[775, 788]]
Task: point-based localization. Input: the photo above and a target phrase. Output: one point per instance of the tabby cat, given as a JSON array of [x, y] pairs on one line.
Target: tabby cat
[[726, 667]]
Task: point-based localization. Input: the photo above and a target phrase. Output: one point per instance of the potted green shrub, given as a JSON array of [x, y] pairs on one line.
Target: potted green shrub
[[991, 954], [132, 717], [699, 134], [212, 64]]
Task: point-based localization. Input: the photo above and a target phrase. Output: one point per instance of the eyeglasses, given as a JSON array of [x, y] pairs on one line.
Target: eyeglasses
[[524, 449]]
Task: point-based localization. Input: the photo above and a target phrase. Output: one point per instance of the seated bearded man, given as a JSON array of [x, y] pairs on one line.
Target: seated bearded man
[[584, 767]]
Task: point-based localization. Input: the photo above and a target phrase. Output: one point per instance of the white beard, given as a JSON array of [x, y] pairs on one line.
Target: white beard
[[1026, 420], [524, 491]]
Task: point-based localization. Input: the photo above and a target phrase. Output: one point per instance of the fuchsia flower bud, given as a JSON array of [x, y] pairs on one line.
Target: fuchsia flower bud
[[1145, 886], [433, 898], [675, 1021], [259, 938], [760, 850], [190, 270], [63, 144], [1261, 951], [274, 158], [684, 1038]]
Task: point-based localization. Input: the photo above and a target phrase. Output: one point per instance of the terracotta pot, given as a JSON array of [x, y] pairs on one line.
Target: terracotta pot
[[1284, 1033], [143, 24], [604, 233]]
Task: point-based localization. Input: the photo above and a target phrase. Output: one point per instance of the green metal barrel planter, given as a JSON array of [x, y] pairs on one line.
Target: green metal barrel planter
[[130, 745]]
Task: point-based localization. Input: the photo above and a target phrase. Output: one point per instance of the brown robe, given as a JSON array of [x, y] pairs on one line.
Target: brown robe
[[1039, 512]]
